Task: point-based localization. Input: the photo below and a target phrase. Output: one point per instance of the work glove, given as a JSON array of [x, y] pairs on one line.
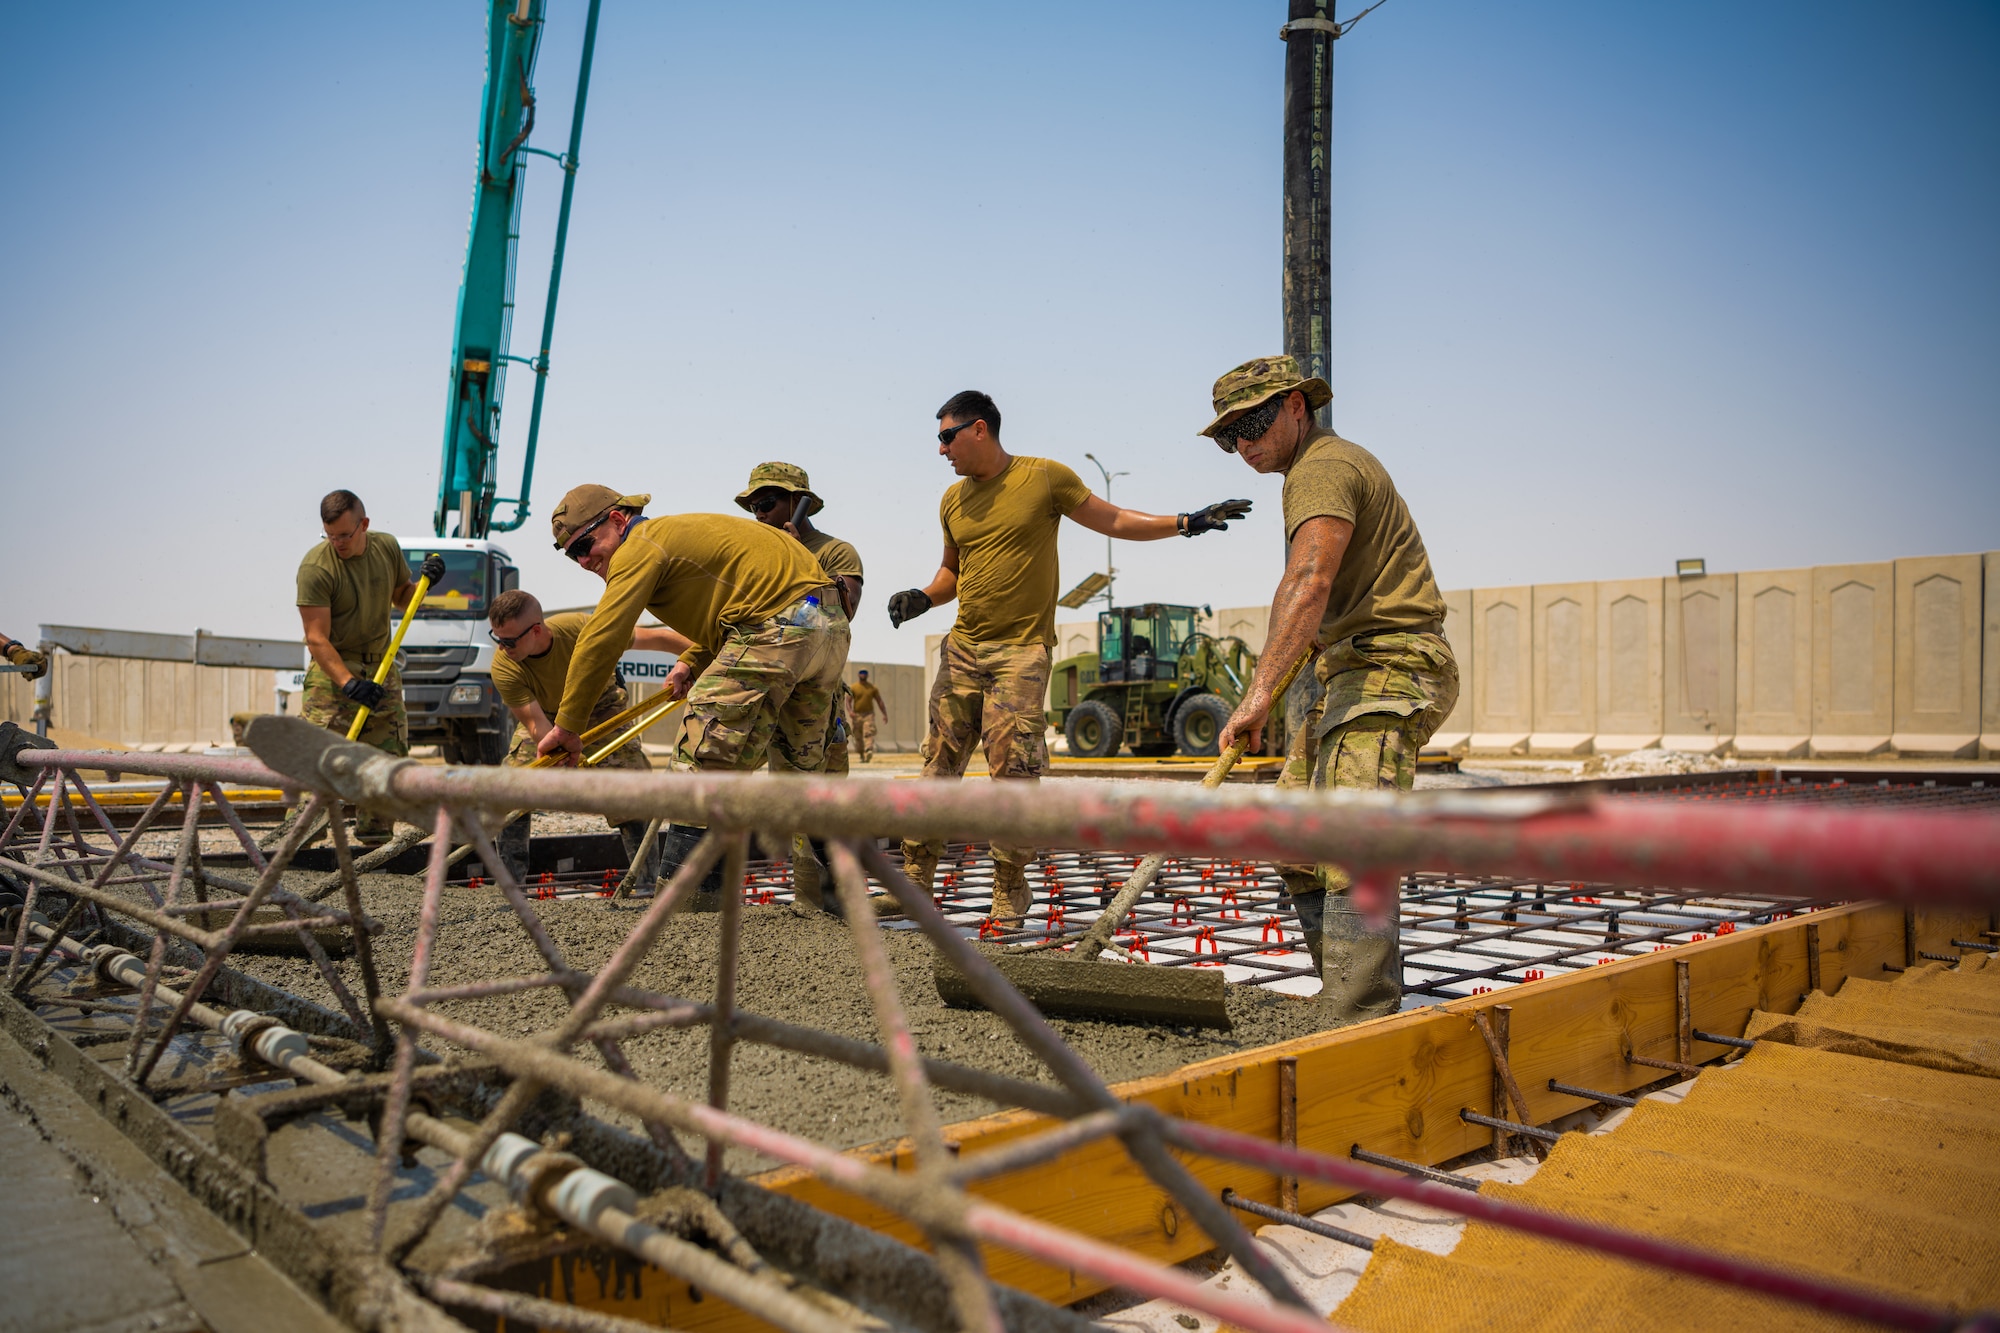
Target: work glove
[[908, 605], [432, 568], [20, 654], [364, 692], [1215, 518]]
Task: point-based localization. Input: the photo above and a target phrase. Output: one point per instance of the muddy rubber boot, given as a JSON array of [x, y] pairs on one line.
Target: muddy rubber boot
[[633, 836], [1011, 895], [1311, 907], [920, 863], [1361, 966], [812, 882], [677, 844], [512, 844]]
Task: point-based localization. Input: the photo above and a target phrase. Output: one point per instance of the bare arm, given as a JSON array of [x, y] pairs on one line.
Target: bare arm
[[531, 716], [1100, 515], [660, 639], [1296, 612], [318, 621], [850, 593], [943, 586], [404, 591]]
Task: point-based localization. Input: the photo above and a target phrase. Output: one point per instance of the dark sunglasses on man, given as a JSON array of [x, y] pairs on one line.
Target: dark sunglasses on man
[[508, 643], [578, 548], [948, 435]]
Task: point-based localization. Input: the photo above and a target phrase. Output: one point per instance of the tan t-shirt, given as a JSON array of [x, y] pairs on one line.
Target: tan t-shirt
[[865, 694], [1385, 580], [540, 679], [835, 556], [696, 573], [1005, 533], [357, 594]]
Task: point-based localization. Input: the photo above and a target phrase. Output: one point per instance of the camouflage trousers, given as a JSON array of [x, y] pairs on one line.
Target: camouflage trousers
[[387, 728], [864, 735], [768, 695], [839, 733], [1384, 695], [996, 695]]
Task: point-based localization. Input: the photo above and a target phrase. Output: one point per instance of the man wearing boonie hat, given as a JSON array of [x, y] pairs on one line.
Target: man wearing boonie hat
[[767, 636], [1000, 522], [780, 495], [1358, 581]]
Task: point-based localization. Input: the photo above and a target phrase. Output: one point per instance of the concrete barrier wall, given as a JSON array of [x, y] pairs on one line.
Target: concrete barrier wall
[[1698, 662], [1837, 661], [135, 702]]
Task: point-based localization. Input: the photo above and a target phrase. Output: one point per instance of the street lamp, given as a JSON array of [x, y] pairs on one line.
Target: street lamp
[[1108, 571]]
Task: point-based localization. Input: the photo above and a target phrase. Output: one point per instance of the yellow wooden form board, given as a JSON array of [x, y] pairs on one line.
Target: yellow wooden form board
[[1393, 1086]]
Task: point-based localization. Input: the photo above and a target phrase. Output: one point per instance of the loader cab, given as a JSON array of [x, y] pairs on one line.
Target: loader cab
[[1142, 643]]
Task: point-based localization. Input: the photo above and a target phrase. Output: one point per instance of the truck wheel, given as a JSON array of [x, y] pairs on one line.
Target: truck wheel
[[466, 744], [1198, 725], [1094, 730]]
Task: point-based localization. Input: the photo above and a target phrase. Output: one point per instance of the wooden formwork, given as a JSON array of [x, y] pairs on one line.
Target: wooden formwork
[[1394, 1086]]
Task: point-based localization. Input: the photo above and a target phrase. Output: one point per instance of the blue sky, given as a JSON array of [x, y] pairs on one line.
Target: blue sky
[[1613, 284]]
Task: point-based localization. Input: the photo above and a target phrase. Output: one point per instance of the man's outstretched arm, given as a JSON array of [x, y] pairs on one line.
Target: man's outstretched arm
[[1296, 612], [1100, 515]]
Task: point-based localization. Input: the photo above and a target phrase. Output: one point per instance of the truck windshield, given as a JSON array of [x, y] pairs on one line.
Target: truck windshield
[[463, 594], [1110, 636]]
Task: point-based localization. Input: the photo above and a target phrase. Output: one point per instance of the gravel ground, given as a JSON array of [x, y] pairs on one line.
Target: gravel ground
[[794, 967]]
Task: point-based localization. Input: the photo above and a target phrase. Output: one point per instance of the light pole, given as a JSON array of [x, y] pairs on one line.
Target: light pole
[[1108, 571]]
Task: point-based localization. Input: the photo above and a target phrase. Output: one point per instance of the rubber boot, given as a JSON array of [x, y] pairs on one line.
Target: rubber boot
[[512, 844], [1011, 895], [677, 844], [812, 882], [633, 835], [920, 862], [1360, 966], [1313, 925]]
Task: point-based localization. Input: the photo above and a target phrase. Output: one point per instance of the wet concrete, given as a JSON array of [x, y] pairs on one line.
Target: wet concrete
[[99, 1238], [795, 966]]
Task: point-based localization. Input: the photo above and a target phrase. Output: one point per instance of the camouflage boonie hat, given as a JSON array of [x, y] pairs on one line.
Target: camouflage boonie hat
[[785, 477], [584, 503], [1259, 380]]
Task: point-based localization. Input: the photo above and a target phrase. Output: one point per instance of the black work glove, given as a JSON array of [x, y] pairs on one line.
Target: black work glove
[[1215, 518], [432, 568], [908, 605], [364, 692]]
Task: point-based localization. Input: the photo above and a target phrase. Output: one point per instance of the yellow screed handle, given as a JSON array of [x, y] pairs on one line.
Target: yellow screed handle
[[389, 658]]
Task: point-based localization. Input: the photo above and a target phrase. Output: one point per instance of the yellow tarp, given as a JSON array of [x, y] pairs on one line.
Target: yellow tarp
[[1880, 1174]]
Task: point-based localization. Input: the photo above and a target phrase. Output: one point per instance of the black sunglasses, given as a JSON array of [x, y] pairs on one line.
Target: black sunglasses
[[507, 642], [768, 503], [948, 435], [578, 547]]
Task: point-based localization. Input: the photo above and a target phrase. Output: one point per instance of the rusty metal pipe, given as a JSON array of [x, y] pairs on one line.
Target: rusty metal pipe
[[1924, 858]]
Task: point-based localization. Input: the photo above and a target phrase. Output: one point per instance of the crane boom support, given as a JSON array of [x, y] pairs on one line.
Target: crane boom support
[[468, 478]]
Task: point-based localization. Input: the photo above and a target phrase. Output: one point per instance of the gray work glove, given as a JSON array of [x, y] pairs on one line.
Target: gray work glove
[[1215, 518], [908, 605], [432, 568], [364, 692]]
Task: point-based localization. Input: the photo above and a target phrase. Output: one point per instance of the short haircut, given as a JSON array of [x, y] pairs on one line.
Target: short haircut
[[337, 503], [512, 603], [970, 405]]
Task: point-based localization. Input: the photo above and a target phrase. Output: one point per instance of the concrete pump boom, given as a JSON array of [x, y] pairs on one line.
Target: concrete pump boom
[[468, 479]]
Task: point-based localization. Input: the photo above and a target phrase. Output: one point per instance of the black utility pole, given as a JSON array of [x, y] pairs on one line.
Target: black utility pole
[[1309, 37]]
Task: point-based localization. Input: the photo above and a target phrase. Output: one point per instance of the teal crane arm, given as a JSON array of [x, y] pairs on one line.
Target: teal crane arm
[[468, 478]]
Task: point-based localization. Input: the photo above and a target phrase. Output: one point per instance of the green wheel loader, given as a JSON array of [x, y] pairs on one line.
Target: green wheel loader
[[1156, 684]]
